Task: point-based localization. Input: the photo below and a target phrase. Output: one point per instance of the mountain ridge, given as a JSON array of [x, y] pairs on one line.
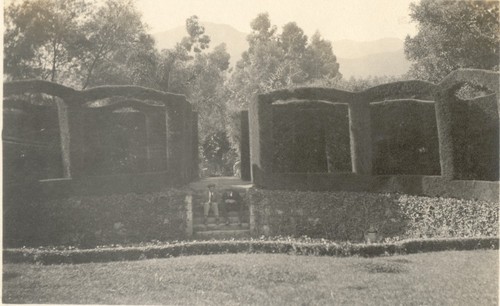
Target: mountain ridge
[[378, 57]]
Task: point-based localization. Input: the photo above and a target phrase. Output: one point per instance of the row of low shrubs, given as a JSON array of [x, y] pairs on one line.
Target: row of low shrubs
[[88, 221], [347, 216], [323, 248]]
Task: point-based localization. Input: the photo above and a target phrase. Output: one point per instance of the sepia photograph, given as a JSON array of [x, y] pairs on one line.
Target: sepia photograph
[[250, 152]]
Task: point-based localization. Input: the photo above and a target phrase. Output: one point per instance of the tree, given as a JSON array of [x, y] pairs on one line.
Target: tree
[[197, 39], [205, 89], [189, 68], [279, 60], [215, 149], [115, 27], [319, 60], [77, 42], [274, 61], [39, 35], [452, 35]]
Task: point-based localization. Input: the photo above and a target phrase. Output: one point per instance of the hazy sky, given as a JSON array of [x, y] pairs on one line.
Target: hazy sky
[[335, 19]]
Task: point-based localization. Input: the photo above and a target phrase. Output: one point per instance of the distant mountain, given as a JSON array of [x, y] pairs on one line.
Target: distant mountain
[[377, 58], [347, 48], [359, 59], [236, 42], [386, 63]]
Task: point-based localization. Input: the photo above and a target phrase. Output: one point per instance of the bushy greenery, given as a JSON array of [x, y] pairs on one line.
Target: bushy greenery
[[311, 137], [279, 245], [346, 216], [88, 221], [404, 138], [475, 138], [452, 35]]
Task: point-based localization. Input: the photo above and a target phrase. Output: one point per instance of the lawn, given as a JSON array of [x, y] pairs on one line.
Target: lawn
[[440, 278]]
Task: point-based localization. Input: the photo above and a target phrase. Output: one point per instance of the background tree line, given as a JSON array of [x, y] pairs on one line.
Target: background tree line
[[86, 43]]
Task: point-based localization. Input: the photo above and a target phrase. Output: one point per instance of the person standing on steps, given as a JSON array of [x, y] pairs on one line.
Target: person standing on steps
[[211, 202]]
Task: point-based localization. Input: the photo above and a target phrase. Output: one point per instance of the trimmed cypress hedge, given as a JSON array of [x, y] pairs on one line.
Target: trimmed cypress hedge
[[468, 130], [317, 248], [475, 138], [310, 136], [404, 138]]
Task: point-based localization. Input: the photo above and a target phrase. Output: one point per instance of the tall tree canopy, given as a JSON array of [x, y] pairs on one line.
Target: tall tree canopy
[[75, 42], [280, 60], [190, 68], [451, 35], [39, 36]]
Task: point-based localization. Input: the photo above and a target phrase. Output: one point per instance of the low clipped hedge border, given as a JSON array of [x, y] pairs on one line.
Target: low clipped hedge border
[[324, 248]]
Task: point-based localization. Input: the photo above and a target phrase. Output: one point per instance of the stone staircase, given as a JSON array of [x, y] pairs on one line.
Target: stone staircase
[[221, 230], [236, 228]]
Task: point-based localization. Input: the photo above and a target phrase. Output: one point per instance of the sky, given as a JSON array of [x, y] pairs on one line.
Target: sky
[[360, 20]]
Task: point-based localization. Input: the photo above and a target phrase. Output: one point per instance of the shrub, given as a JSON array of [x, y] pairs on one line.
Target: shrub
[[346, 216], [280, 246], [87, 221]]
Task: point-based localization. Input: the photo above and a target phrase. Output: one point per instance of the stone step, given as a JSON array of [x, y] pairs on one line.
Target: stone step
[[199, 214], [220, 227], [231, 214], [211, 220], [222, 234]]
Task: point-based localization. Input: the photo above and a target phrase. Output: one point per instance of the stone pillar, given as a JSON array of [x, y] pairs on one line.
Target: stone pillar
[[187, 161], [195, 168], [244, 147], [71, 133], [189, 214], [361, 140], [251, 216]]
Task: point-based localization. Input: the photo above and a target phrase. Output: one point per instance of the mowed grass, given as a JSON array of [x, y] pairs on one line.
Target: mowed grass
[[441, 278]]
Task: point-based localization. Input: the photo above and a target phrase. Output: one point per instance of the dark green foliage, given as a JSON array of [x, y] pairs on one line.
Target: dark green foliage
[[31, 144], [468, 129], [348, 215], [475, 138], [404, 138], [88, 221], [115, 142], [403, 135], [218, 155], [452, 35], [299, 141], [310, 137], [279, 246], [280, 60], [124, 131]]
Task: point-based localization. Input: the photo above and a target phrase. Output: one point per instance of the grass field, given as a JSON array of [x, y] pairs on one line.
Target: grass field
[[441, 278]]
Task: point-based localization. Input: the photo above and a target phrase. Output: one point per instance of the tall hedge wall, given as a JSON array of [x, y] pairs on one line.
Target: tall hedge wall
[[475, 138], [404, 137], [348, 215], [31, 144], [88, 221], [310, 136]]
